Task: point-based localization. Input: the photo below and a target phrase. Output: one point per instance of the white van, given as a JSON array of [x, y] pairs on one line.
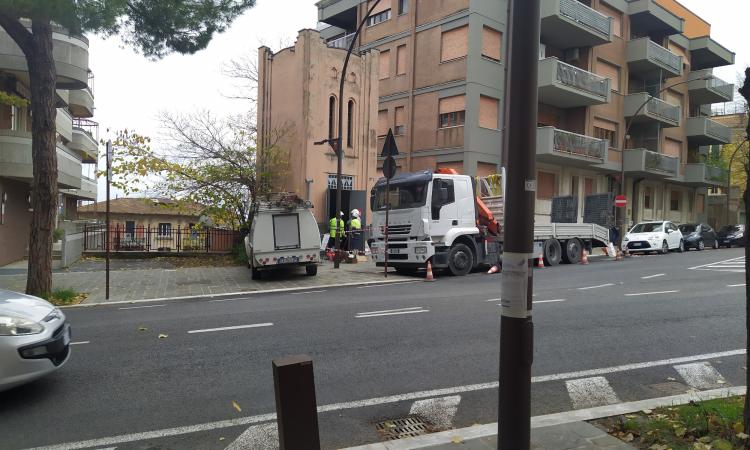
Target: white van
[[283, 234]]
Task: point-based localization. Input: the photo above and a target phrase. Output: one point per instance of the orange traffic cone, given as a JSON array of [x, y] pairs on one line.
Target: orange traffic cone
[[540, 261], [585, 257], [494, 269], [429, 276]]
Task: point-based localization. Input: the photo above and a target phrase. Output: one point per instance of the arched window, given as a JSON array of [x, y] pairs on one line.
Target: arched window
[[331, 117], [350, 125]]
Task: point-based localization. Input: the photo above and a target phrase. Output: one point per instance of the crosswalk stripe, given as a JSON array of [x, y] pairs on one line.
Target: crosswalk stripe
[[257, 437], [437, 411], [700, 375], [591, 392]]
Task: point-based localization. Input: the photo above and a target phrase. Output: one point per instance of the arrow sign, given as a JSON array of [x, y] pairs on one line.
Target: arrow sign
[[389, 147]]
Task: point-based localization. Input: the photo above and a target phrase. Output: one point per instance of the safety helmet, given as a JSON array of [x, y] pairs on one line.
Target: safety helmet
[[355, 213]]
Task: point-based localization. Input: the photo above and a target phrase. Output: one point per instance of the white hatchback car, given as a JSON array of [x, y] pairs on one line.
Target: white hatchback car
[[34, 339], [661, 236]]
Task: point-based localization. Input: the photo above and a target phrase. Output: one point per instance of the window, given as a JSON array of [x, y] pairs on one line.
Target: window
[[400, 125], [385, 64], [607, 130], [403, 7], [492, 42], [452, 111], [546, 185], [347, 182], [488, 112], [674, 200], [350, 124], [616, 18], [401, 60], [9, 117], [331, 117], [611, 71], [648, 194], [454, 43], [377, 18], [443, 193], [675, 98], [3, 201], [382, 122], [165, 230]]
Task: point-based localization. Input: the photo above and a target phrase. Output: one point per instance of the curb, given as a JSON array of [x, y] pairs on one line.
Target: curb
[[580, 415], [245, 293]]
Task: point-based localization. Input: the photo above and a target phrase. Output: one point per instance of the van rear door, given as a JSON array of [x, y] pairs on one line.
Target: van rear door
[[286, 234]]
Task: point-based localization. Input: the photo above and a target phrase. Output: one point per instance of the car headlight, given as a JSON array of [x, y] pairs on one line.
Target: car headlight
[[738, 235], [18, 326], [420, 250], [626, 239]]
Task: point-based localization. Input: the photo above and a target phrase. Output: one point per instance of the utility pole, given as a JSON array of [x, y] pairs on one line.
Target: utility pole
[[516, 326], [106, 233]]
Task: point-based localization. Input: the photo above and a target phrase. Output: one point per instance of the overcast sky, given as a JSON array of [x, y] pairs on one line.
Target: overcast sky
[[130, 90]]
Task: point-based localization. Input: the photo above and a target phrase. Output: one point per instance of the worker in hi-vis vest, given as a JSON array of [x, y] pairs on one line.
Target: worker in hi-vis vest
[[355, 231], [333, 229]]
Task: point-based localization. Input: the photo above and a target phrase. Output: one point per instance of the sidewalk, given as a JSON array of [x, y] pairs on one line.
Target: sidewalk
[[147, 279]]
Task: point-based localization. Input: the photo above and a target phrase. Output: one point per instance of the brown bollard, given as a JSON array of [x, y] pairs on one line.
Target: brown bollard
[[296, 406]]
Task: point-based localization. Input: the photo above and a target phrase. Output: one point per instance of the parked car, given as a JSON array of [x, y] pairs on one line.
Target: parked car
[[698, 236], [730, 235], [661, 236], [34, 339]]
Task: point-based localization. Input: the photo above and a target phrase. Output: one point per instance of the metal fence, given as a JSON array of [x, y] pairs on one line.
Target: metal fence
[[661, 108], [582, 79], [585, 16], [664, 56], [159, 239], [580, 145], [661, 163]]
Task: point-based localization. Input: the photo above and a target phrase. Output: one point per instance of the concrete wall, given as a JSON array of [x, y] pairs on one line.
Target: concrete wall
[[14, 232]]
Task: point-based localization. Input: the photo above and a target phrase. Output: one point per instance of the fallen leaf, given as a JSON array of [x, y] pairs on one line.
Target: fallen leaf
[[671, 379], [221, 439], [738, 427], [456, 440], [628, 437], [142, 329], [743, 436], [647, 411], [163, 336], [721, 382], [680, 431], [236, 406], [630, 416]]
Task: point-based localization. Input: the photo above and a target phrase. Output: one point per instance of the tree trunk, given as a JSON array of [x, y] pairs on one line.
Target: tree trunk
[[44, 142]]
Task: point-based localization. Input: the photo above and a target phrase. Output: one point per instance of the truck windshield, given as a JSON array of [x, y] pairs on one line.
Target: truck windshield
[[402, 196]]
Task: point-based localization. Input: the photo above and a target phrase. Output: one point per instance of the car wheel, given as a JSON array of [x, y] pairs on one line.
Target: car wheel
[[664, 248], [681, 248], [460, 260], [701, 246], [552, 252]]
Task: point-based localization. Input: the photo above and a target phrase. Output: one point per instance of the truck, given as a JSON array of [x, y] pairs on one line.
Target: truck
[[283, 235], [455, 222]]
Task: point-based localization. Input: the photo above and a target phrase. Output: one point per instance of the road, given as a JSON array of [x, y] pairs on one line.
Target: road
[[607, 332]]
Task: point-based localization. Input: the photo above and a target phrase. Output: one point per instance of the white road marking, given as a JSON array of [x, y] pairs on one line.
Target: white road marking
[[728, 265], [257, 437], [736, 285], [308, 292], [141, 307], [437, 411], [591, 392], [228, 300], [238, 327], [701, 375], [389, 284], [638, 294], [80, 343], [653, 276], [557, 300], [595, 287], [243, 421], [395, 313], [493, 300]]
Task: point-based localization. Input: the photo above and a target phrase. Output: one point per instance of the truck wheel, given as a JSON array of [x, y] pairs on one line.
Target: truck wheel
[[311, 270], [255, 273], [460, 260], [407, 271], [552, 252], [573, 251]]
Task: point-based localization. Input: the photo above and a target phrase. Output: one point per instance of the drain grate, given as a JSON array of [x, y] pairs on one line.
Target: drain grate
[[394, 429]]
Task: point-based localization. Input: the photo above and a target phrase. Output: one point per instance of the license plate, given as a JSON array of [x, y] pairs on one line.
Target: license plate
[[726, 241], [636, 244], [66, 337], [394, 251]]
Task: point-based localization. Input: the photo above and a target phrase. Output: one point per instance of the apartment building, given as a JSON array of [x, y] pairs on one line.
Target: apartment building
[[77, 138], [620, 82]]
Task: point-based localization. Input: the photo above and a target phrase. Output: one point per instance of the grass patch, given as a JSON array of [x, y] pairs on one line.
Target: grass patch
[[710, 425], [64, 297]]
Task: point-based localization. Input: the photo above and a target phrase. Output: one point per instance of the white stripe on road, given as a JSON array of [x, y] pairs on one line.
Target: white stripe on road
[[243, 421], [257, 437], [390, 310], [715, 263], [308, 292], [438, 411], [398, 283], [736, 285], [638, 294], [238, 327], [596, 287], [141, 307], [416, 311], [493, 300], [80, 343], [701, 375], [557, 300], [591, 392], [653, 276]]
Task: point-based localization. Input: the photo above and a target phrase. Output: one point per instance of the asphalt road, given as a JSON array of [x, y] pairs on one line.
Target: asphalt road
[[377, 349]]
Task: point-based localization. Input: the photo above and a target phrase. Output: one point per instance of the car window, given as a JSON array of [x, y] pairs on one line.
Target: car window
[[731, 228], [649, 227], [688, 228]]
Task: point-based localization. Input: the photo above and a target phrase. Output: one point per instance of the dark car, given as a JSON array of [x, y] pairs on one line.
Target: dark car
[[730, 235], [698, 236]]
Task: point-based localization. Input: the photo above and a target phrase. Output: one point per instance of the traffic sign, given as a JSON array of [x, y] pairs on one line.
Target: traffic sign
[[389, 147], [621, 201]]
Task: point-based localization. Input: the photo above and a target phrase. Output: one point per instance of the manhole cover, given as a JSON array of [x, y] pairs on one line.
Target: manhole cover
[[394, 429]]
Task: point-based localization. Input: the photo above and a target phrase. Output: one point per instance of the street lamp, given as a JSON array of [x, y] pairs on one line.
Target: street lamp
[[729, 175], [625, 138]]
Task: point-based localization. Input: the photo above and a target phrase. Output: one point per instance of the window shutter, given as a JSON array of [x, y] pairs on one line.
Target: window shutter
[[610, 71], [455, 43], [672, 147], [382, 122], [488, 112], [385, 64], [401, 60], [492, 41], [452, 104]]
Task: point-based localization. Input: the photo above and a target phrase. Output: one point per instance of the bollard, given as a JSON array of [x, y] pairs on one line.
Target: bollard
[[296, 407]]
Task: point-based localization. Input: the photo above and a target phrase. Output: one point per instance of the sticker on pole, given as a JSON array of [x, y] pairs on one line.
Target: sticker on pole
[[621, 201], [515, 286]]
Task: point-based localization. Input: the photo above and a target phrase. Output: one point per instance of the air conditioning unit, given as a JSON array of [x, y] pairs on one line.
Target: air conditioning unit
[[572, 55]]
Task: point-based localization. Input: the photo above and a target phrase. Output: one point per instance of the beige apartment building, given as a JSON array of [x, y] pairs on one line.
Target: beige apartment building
[[298, 100], [620, 82], [77, 138]]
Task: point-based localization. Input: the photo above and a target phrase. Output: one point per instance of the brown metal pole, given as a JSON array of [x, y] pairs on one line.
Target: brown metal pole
[[516, 326], [387, 218], [106, 233]]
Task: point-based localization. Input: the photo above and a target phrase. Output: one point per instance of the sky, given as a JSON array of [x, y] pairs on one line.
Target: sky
[[130, 90]]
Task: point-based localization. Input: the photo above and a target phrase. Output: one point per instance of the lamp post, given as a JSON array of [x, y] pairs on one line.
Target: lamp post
[[626, 136], [729, 175]]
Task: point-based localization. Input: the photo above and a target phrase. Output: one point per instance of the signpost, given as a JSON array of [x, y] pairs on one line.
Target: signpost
[[621, 201], [106, 233], [390, 149]]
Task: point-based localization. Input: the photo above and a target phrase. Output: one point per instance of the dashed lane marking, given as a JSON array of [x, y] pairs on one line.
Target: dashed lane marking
[[591, 392], [392, 312], [237, 327], [653, 276], [701, 375], [557, 300], [595, 287], [736, 285], [80, 343], [638, 294]]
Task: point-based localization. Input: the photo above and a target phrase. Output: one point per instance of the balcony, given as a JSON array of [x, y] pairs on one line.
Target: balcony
[[88, 190], [16, 162], [64, 124], [570, 23], [563, 147], [648, 17], [705, 89], [646, 57], [567, 86], [343, 42], [704, 131], [85, 145], [339, 13], [705, 53], [81, 103], [701, 175], [645, 108], [70, 52], [645, 163]]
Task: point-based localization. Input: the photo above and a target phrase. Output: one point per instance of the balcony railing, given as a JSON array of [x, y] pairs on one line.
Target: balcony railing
[[661, 108], [88, 126], [658, 162], [582, 79], [658, 53], [579, 145], [343, 42], [588, 17], [717, 129], [716, 174]]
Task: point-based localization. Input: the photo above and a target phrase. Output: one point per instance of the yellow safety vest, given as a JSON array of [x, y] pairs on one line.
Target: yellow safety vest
[[355, 224], [332, 227]]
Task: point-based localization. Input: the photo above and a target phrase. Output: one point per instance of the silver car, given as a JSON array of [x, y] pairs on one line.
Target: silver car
[[34, 339]]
